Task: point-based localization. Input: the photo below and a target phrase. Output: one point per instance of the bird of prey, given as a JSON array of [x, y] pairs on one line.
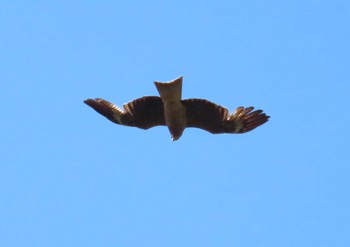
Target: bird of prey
[[177, 114]]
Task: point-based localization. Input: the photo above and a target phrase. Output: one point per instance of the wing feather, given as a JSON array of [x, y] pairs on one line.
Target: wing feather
[[243, 120], [216, 119], [145, 112], [205, 115], [107, 109]]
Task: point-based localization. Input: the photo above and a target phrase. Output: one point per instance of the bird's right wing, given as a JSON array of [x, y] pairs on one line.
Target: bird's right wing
[[144, 113], [216, 119]]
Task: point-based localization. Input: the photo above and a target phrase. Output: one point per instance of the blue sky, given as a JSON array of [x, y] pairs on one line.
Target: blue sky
[[69, 177]]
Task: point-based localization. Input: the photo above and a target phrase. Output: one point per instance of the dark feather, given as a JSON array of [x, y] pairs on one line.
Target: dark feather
[[107, 109], [214, 118], [206, 115], [145, 112]]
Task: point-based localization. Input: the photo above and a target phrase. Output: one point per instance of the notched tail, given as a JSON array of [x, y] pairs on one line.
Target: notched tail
[[170, 91]]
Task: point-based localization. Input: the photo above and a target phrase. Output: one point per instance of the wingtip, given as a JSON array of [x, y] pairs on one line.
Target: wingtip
[[89, 101], [247, 119], [106, 108], [92, 99]]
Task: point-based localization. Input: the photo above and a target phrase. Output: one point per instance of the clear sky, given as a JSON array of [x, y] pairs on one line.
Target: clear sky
[[69, 177]]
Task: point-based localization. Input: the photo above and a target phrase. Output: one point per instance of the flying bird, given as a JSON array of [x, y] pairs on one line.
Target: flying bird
[[177, 114]]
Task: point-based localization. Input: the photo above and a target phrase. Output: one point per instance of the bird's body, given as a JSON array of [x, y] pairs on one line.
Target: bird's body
[[175, 118], [174, 109], [170, 110]]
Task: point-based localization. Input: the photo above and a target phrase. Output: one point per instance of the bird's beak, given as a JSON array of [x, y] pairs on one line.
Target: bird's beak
[[174, 138]]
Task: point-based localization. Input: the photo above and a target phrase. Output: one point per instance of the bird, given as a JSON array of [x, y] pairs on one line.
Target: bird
[[169, 109]]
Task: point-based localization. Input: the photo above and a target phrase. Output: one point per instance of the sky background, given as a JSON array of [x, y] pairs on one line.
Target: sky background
[[69, 177]]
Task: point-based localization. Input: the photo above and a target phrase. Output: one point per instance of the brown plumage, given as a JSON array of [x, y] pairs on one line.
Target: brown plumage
[[170, 110]]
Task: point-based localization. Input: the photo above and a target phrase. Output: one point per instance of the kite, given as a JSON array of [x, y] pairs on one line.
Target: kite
[[177, 114]]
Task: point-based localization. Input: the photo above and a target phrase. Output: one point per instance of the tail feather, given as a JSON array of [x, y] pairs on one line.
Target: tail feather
[[170, 91]]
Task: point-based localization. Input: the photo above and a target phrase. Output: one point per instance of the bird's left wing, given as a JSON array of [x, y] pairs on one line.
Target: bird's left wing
[[216, 119], [145, 112]]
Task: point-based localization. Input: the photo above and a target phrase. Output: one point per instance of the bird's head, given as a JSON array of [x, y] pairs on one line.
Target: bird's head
[[173, 138], [176, 133]]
